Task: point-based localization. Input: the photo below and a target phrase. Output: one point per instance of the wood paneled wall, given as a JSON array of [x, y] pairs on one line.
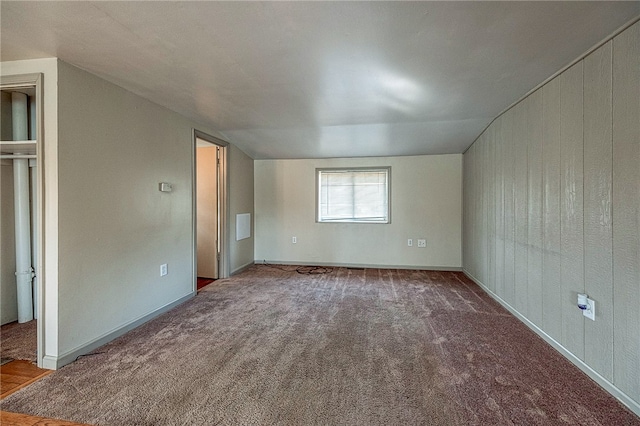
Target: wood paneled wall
[[552, 209]]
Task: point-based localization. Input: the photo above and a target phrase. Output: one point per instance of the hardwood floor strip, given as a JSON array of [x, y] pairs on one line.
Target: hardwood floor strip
[[16, 419], [18, 374]]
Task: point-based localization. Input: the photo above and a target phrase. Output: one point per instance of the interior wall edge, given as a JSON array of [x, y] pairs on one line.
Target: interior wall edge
[[621, 396], [242, 268]]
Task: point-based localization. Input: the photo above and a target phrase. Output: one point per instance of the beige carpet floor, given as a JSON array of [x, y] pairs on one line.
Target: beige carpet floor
[[19, 341], [352, 347]]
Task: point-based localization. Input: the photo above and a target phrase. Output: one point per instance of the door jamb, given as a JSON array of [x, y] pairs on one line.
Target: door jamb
[[223, 202], [22, 81]]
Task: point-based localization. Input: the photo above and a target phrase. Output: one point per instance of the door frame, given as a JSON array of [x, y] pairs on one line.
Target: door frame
[[35, 81], [223, 205]]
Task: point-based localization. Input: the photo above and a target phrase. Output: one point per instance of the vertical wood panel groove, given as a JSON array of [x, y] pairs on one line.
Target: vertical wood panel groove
[[598, 258], [571, 224], [534, 204], [520, 205], [551, 277], [509, 253], [626, 210], [499, 214]]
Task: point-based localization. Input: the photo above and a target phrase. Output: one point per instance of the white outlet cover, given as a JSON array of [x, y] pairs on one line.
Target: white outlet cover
[[163, 270], [410, 242], [591, 312], [422, 243]]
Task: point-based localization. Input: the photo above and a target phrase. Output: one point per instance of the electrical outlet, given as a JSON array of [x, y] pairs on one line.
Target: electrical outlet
[[409, 242], [590, 312], [294, 240], [164, 269], [422, 243]]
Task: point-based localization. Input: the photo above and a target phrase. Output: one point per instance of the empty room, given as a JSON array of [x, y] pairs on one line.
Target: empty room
[[305, 213]]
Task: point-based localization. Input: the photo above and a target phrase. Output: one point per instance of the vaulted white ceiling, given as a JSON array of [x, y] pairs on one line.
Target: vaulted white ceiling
[[320, 79]]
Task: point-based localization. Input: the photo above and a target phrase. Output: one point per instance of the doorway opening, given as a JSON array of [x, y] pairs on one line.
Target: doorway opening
[[21, 218], [210, 209]]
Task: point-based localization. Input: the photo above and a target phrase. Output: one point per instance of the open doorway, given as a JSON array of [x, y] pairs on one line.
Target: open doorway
[[210, 209], [208, 223], [21, 281]]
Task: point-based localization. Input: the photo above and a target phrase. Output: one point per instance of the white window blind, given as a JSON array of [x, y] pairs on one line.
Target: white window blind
[[353, 195]]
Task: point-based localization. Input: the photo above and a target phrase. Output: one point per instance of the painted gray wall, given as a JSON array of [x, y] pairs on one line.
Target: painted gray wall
[[552, 209], [426, 202], [115, 227], [241, 196]]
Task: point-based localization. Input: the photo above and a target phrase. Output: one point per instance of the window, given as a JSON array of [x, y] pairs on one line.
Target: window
[[353, 195]]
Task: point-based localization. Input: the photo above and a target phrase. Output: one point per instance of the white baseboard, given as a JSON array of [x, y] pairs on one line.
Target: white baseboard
[[606, 384], [359, 265], [49, 362], [53, 363]]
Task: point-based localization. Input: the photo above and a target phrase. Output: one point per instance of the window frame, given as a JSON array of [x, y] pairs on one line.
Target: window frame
[[319, 170]]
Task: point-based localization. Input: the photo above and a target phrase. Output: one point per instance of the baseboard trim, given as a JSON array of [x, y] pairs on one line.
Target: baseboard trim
[[361, 265], [49, 362], [605, 383], [242, 268], [53, 362]]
